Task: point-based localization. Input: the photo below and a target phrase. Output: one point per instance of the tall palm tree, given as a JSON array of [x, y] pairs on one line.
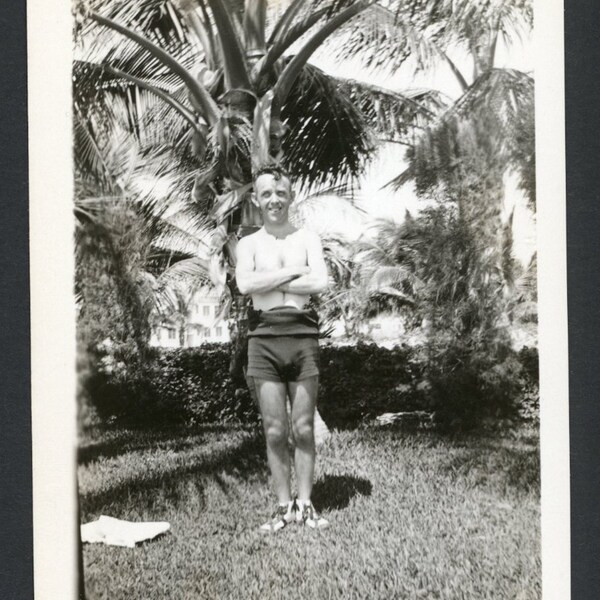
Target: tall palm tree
[[473, 140], [232, 92], [235, 93]]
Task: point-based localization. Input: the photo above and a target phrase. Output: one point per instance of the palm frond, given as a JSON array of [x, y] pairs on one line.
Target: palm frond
[[395, 116], [287, 36], [190, 273], [88, 155], [493, 116], [384, 39], [255, 17], [234, 62], [200, 94], [179, 234], [329, 140], [295, 66]]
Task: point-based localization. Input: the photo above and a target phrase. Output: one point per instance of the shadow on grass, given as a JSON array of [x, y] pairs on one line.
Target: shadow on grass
[[117, 443], [171, 486], [515, 468], [335, 491]]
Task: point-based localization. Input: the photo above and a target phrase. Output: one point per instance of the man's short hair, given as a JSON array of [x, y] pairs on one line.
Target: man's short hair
[[277, 171]]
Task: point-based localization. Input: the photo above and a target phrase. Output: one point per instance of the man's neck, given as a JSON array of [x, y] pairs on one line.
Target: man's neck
[[279, 231]]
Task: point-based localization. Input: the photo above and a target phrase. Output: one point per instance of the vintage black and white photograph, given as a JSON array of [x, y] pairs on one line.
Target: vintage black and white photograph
[[305, 299]]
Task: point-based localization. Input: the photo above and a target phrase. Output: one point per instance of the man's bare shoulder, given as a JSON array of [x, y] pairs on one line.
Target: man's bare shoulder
[[248, 241], [309, 236]]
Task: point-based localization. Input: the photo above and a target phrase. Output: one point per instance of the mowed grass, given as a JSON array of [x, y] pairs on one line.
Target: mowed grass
[[413, 515]]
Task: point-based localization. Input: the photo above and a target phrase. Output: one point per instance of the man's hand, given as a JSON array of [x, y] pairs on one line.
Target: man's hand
[[296, 272]]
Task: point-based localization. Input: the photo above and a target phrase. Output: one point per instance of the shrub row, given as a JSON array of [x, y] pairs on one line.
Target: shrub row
[[359, 382]]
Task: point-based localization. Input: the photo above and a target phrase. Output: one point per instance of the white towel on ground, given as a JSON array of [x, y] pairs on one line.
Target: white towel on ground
[[116, 532]]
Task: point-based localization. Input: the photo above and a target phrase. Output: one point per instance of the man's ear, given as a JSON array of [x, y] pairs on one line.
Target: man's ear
[[253, 199]]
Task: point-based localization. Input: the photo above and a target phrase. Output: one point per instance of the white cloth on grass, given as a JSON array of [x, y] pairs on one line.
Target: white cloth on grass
[[115, 532]]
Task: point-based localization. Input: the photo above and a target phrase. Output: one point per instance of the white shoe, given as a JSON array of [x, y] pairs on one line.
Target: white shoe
[[307, 515], [282, 516]]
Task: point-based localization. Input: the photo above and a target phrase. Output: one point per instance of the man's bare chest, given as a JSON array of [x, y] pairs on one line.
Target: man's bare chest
[[272, 253]]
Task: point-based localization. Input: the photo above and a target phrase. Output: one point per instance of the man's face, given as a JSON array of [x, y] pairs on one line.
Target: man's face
[[273, 197]]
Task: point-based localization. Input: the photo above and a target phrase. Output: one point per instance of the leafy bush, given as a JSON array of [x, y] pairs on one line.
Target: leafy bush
[[470, 384], [190, 385], [529, 405], [193, 385], [113, 310], [469, 365], [363, 381]]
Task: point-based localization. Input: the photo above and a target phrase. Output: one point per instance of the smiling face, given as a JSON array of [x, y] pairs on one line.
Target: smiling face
[[273, 197]]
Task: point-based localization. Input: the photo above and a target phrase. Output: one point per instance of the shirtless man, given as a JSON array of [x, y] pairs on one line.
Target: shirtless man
[[281, 266]]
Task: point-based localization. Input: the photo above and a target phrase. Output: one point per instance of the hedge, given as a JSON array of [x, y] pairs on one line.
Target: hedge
[[193, 385]]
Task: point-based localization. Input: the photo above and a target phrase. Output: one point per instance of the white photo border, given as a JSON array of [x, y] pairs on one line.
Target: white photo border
[[53, 313]]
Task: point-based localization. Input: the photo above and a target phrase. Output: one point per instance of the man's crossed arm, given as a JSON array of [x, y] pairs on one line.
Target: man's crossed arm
[[309, 279], [316, 279]]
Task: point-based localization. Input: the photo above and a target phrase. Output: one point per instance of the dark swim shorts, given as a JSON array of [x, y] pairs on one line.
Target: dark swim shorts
[[283, 344], [283, 358]]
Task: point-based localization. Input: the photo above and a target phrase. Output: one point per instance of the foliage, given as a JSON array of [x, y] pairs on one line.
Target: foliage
[[367, 281], [471, 368], [114, 302], [179, 386], [471, 382], [529, 407], [423, 35], [462, 302], [113, 293], [357, 383], [194, 386], [360, 382]]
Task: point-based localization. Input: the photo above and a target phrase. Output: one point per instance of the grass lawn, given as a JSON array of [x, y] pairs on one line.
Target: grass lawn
[[413, 515]]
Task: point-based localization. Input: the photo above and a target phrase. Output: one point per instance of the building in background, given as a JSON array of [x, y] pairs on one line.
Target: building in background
[[199, 326]]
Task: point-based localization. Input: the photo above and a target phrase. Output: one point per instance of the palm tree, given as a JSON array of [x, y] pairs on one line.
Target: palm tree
[[234, 98], [371, 275], [111, 245], [471, 142], [236, 101]]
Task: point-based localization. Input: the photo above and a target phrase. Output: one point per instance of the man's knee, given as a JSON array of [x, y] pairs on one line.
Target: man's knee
[[276, 433], [303, 430]]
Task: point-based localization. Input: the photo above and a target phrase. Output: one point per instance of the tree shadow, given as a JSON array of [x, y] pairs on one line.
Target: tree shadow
[[114, 444], [144, 492], [506, 468], [333, 492]]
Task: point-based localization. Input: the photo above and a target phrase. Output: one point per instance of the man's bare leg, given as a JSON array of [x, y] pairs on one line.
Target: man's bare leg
[[272, 401], [303, 396]]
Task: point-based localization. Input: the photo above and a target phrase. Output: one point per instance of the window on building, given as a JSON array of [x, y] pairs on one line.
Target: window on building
[[216, 309], [171, 334], [219, 331], [206, 310], [159, 334]]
